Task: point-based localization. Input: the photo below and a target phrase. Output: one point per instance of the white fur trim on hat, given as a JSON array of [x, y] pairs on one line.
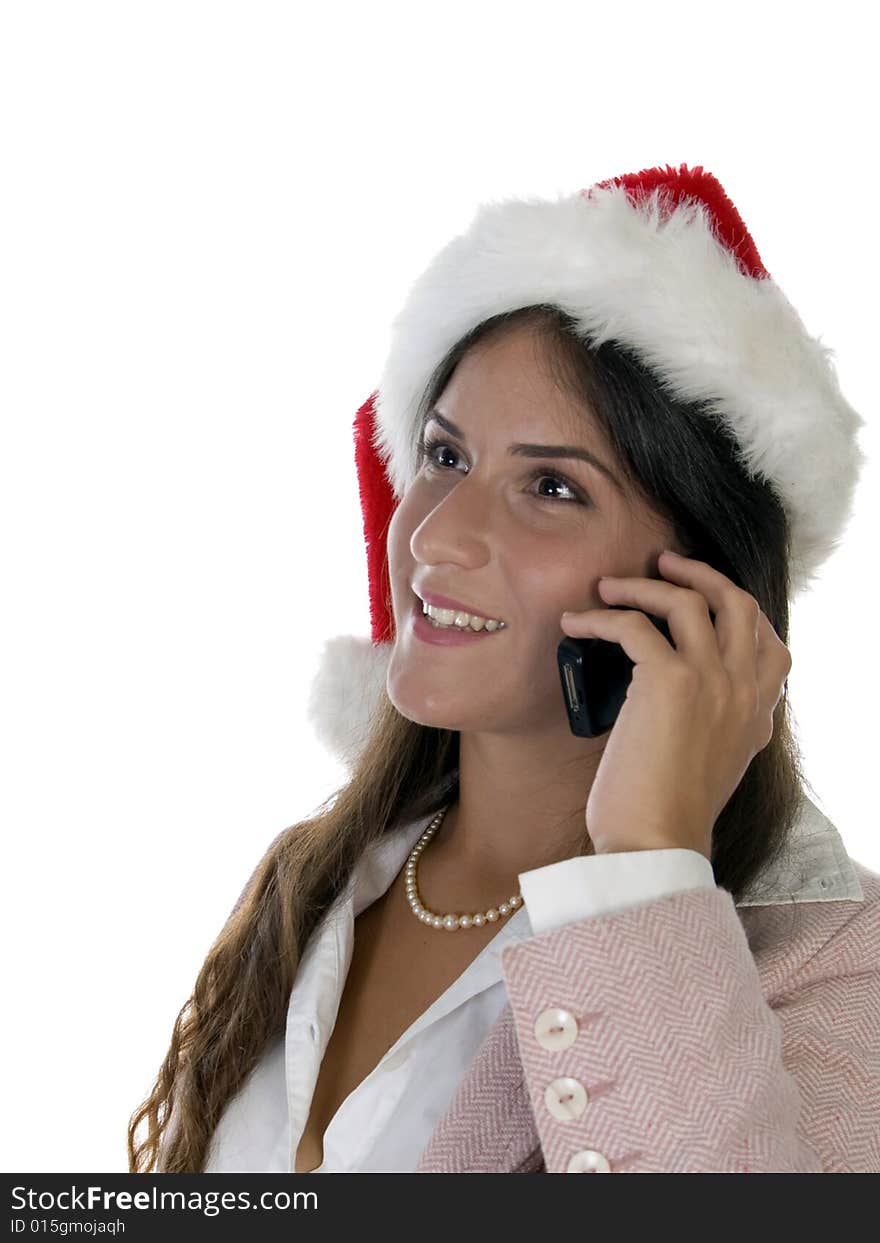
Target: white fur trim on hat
[[345, 691]]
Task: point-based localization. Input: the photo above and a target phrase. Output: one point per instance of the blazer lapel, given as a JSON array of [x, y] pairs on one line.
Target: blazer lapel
[[489, 1126]]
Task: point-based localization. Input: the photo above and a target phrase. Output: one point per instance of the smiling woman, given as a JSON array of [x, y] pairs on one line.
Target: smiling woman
[[483, 522], [335, 1024]]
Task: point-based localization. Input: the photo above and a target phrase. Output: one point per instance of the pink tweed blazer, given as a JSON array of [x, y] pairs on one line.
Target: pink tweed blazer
[[688, 1034]]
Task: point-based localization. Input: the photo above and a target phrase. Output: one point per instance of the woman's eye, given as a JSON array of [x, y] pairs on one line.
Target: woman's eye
[[427, 448]]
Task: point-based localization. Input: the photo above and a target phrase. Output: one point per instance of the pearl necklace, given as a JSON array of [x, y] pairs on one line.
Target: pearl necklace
[[450, 922]]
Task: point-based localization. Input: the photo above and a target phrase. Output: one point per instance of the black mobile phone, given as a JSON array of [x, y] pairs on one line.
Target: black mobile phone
[[595, 675]]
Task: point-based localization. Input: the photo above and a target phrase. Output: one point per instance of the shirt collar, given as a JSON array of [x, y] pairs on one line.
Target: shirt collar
[[814, 867]]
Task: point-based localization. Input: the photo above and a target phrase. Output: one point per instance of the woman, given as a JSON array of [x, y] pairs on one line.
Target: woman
[[627, 989]]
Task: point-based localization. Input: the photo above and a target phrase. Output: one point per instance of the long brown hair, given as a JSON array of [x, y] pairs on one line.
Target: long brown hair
[[684, 462]]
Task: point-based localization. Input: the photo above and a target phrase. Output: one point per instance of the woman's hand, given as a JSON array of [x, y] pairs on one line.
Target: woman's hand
[[695, 714]]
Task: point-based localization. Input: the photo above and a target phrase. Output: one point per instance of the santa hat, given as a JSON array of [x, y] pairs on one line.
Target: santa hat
[[660, 261]]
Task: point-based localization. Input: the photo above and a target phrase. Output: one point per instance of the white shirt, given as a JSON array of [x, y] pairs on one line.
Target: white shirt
[[384, 1125]]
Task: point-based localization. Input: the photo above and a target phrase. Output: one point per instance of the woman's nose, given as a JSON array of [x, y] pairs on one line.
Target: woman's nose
[[458, 527]]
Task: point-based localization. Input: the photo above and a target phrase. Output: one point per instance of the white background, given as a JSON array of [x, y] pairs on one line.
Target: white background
[[210, 215]]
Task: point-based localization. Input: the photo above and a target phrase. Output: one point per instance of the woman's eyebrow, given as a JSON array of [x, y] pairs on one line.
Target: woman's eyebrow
[[538, 451]]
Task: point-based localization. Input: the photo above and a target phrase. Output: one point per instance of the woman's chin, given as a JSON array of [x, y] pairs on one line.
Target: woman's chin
[[424, 709], [415, 698]]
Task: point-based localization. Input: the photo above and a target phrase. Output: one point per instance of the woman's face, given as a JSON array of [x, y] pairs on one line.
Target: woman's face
[[519, 537]]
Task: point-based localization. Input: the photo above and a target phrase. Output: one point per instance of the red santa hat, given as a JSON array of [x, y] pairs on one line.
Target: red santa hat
[[661, 261]]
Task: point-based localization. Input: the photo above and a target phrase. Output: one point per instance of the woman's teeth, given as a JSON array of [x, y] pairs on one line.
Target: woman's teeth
[[463, 621]]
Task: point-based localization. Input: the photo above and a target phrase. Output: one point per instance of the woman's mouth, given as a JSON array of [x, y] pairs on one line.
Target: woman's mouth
[[429, 631]]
